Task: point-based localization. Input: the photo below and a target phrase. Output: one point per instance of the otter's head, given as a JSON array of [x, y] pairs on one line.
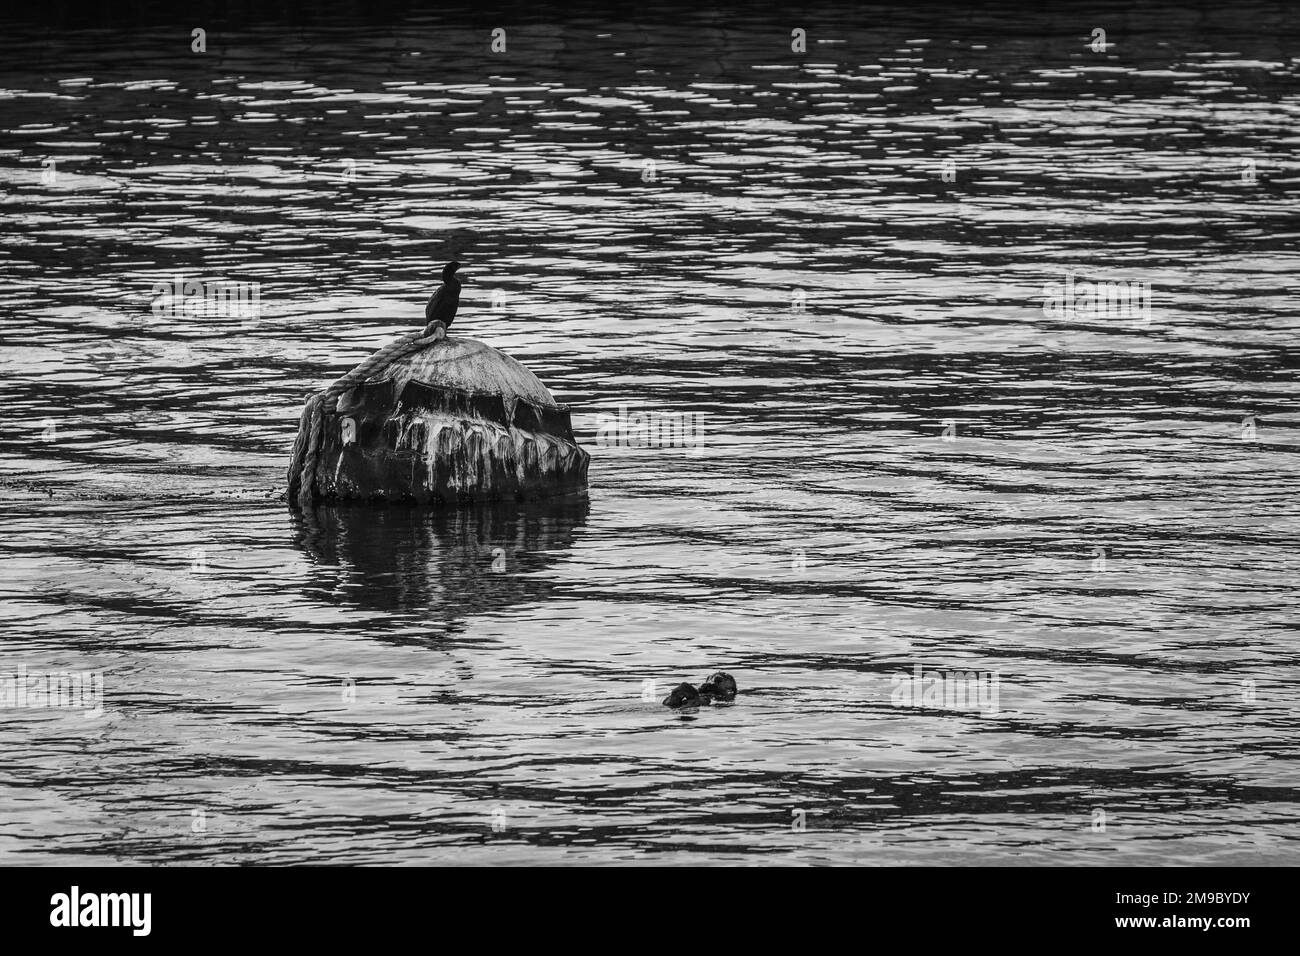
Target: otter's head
[[721, 685], [684, 695]]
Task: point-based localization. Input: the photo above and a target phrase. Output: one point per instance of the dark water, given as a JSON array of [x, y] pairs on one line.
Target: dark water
[[1111, 530]]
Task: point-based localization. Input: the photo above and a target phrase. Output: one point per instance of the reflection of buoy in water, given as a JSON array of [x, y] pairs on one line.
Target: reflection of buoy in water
[[430, 418], [437, 562]]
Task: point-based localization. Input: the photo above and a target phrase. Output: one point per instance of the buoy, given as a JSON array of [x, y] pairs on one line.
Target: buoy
[[435, 419]]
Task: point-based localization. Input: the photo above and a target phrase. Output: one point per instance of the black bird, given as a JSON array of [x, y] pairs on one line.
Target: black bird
[[443, 303]]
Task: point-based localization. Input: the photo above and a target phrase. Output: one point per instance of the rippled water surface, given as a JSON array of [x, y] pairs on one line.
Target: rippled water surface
[[920, 468]]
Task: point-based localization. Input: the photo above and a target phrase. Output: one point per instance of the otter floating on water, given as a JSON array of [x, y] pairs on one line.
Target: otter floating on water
[[720, 687]]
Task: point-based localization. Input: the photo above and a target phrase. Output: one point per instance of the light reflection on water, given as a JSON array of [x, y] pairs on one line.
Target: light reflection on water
[[825, 537]]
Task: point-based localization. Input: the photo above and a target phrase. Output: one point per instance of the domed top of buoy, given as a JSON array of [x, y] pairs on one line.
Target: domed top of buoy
[[470, 366]]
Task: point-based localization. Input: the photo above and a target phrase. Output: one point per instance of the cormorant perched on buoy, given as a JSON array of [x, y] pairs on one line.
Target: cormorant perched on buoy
[[443, 303]]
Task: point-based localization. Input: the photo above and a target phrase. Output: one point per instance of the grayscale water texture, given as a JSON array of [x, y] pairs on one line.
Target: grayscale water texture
[[921, 467]]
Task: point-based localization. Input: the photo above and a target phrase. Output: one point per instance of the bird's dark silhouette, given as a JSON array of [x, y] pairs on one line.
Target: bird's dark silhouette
[[444, 302]]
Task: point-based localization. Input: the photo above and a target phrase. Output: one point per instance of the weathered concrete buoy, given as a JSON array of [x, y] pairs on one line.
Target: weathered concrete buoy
[[436, 419]]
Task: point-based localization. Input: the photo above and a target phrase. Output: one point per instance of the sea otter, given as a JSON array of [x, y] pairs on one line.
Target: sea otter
[[721, 687]]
